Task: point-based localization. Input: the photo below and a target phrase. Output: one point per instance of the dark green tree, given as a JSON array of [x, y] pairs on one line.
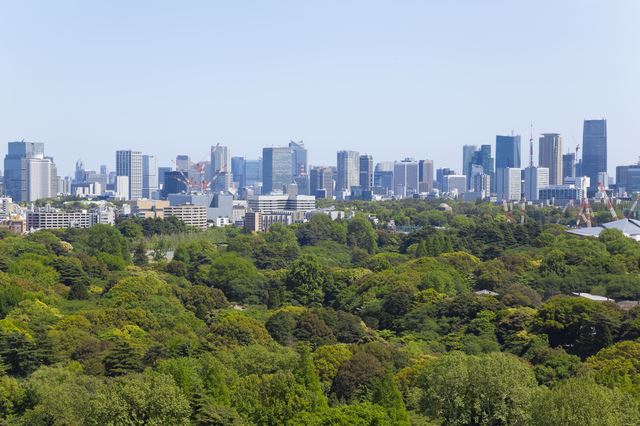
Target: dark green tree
[[121, 359]]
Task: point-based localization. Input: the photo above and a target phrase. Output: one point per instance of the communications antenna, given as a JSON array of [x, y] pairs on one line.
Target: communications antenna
[[531, 147]]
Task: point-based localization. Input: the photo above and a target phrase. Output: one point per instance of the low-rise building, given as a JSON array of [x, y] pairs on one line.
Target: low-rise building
[[272, 203], [188, 213]]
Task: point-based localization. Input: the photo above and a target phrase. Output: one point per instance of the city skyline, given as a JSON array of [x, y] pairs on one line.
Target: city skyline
[[383, 76]]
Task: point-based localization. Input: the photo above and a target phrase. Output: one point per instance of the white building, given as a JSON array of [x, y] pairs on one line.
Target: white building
[[348, 170], [509, 183], [149, 176], [455, 184], [406, 178], [129, 163], [535, 178], [271, 203]]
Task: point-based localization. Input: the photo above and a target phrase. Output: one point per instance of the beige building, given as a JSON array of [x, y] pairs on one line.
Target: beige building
[[149, 208], [550, 156], [188, 213]]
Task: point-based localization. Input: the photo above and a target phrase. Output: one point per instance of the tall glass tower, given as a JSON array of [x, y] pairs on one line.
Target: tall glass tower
[[594, 149], [277, 167]]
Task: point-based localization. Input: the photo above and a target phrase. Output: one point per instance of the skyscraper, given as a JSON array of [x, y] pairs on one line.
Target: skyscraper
[[509, 185], [594, 149], [425, 175], [507, 152], [405, 178], [321, 182], [162, 171], [348, 170], [149, 176], [276, 169], [534, 179], [550, 156], [129, 163], [28, 174], [183, 163], [221, 168], [252, 173], [441, 175], [568, 165], [237, 170], [366, 172], [468, 153], [299, 162]]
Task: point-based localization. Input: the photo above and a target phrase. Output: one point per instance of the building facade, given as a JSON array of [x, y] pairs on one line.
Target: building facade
[[550, 156], [129, 163], [535, 178], [348, 170], [277, 164], [594, 150], [149, 175]]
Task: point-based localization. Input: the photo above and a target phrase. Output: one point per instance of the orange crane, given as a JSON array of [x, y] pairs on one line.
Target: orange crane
[[607, 201], [584, 213]]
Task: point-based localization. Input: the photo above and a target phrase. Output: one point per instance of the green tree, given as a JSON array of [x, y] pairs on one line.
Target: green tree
[[386, 394], [308, 377], [141, 398], [356, 376], [478, 390], [361, 234], [582, 402], [238, 278], [105, 239], [122, 359], [306, 279]]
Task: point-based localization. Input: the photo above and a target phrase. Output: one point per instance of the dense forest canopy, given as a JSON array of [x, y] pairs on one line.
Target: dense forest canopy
[[323, 323]]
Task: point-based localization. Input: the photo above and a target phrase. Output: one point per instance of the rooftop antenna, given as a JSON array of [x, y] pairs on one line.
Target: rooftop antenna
[[531, 147]]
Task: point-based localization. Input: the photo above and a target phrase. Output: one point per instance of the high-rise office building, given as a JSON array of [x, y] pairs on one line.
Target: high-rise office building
[[252, 175], [149, 176], [276, 169], [509, 183], [348, 170], [222, 179], [455, 184], [441, 175], [28, 174], [129, 163], [535, 178], [628, 179], [175, 182], [237, 170], [483, 158], [321, 182], [183, 162], [550, 156], [299, 161], [425, 176], [468, 153], [568, 165], [594, 150], [162, 171], [366, 172], [383, 178], [508, 152], [405, 178]]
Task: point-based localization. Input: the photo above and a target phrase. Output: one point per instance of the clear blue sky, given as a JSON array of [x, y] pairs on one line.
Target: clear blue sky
[[393, 79]]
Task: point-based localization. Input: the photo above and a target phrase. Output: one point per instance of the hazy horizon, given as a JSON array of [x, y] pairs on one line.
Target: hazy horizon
[[408, 79]]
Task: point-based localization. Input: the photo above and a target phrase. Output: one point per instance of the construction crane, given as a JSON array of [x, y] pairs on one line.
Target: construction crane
[[607, 201], [584, 214]]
